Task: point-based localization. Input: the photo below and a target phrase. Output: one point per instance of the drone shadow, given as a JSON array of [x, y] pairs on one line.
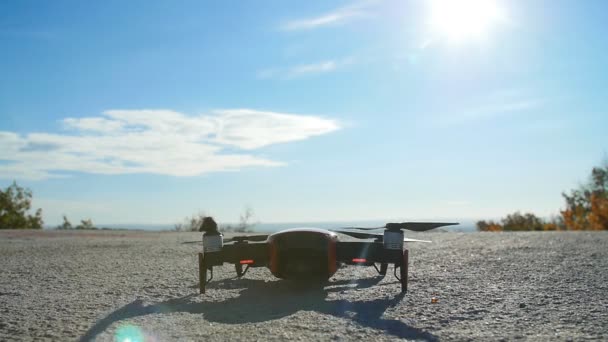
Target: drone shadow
[[262, 301]]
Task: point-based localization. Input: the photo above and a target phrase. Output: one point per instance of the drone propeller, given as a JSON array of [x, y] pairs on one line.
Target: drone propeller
[[414, 226], [247, 238], [373, 236], [359, 235], [415, 240]]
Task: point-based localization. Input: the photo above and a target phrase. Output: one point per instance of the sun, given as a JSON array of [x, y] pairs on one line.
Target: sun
[[464, 20]]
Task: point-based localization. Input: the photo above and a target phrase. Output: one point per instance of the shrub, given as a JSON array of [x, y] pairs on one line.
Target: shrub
[[86, 224], [489, 226], [244, 226], [66, 224], [193, 223], [587, 207], [190, 224], [518, 222]]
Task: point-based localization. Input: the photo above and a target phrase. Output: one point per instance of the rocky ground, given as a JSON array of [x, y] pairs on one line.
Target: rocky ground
[[136, 286]]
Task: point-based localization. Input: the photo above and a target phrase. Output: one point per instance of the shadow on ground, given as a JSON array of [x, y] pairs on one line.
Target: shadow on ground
[[262, 301]]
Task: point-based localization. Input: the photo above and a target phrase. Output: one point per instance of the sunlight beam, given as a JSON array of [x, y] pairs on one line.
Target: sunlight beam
[[464, 20]]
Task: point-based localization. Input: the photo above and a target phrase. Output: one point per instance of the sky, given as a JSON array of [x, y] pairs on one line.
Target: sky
[[303, 111]]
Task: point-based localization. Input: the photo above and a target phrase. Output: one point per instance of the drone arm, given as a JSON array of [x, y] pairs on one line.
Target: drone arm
[[370, 253], [365, 253], [239, 254], [250, 254]]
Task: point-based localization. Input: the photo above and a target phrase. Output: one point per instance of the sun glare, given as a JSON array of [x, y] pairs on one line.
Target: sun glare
[[462, 20]]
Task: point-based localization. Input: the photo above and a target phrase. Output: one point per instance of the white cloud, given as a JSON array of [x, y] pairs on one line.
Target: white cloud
[[303, 70], [155, 141], [500, 109], [496, 105], [249, 129], [99, 125], [325, 66], [335, 17]]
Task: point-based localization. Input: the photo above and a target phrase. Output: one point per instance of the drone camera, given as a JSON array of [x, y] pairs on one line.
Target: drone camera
[[393, 239]]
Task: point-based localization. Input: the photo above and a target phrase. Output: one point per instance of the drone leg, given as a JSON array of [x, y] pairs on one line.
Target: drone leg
[[239, 270], [202, 273], [383, 268], [403, 270]]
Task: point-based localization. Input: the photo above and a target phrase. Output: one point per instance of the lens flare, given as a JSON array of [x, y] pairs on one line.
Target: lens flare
[[129, 333]]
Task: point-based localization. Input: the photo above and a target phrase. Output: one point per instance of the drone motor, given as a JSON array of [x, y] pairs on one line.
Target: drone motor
[[393, 239], [212, 243]]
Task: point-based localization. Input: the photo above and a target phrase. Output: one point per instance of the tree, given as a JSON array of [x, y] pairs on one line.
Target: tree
[[86, 224], [244, 226], [191, 224], [66, 224], [245, 223], [15, 203], [587, 207]]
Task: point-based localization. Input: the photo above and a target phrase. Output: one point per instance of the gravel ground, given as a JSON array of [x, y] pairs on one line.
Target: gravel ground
[[58, 285]]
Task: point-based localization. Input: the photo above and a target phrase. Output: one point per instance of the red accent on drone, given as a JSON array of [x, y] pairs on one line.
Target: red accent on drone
[[359, 260], [248, 262]]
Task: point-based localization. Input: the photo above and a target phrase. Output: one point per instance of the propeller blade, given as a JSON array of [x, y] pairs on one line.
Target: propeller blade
[[247, 238], [415, 226], [415, 240], [362, 228], [197, 241], [419, 226], [374, 236], [359, 235]]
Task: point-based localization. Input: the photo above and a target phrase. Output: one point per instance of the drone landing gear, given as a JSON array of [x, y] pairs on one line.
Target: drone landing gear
[[403, 270], [239, 270], [383, 268], [202, 273]]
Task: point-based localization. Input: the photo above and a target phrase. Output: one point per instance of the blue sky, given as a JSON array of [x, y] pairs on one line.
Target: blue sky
[[149, 111]]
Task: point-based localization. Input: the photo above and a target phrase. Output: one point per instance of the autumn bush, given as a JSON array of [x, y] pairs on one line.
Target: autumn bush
[[586, 209]]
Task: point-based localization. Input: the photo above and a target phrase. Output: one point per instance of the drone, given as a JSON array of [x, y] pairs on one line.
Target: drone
[[304, 254]]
